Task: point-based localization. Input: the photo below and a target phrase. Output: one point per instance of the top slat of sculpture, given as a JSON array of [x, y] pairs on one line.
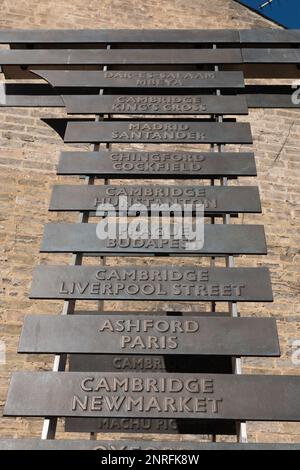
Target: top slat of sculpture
[[171, 36]]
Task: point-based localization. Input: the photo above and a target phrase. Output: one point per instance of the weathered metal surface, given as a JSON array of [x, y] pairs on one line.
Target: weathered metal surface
[[122, 444], [170, 36], [271, 96], [219, 239], [41, 95], [215, 199], [152, 312], [151, 425], [37, 94], [135, 164], [158, 132], [267, 70], [269, 35], [150, 363], [274, 101], [119, 56], [264, 99], [70, 57], [155, 104], [250, 70], [271, 56], [59, 125], [117, 334], [157, 283], [110, 36], [27, 95], [219, 396], [142, 79]]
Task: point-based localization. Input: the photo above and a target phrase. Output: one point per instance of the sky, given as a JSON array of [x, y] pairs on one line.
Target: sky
[[285, 12]]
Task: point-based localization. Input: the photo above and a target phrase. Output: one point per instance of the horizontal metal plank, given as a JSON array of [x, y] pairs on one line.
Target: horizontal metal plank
[[216, 199], [218, 239], [273, 101], [148, 36], [151, 425], [158, 283], [41, 95], [119, 56], [153, 312], [119, 334], [135, 164], [125, 444], [153, 363], [158, 132], [204, 396], [155, 104], [97, 36], [271, 56], [60, 125], [260, 70], [29, 95], [70, 57], [258, 100], [269, 36], [31, 101], [268, 71], [142, 79]]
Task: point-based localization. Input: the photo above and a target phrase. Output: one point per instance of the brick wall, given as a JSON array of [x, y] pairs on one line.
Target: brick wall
[[28, 155]]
